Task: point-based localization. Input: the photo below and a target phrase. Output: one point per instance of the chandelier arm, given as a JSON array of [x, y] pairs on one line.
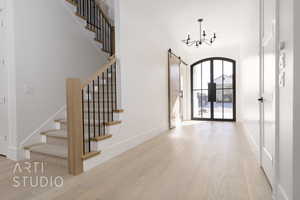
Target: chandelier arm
[[191, 43], [208, 42], [203, 39]]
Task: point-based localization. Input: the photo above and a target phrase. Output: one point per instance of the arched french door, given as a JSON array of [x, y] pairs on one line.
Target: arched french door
[[213, 89]]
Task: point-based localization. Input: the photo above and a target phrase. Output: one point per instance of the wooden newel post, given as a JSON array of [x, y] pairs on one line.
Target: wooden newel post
[[74, 126]]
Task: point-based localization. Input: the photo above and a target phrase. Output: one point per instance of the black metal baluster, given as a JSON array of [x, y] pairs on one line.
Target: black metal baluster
[[79, 8], [89, 122], [97, 22], [107, 97], [83, 8], [95, 13], [102, 28], [100, 125], [104, 39], [94, 113], [89, 13], [103, 106], [109, 38], [82, 97], [111, 93], [115, 86]]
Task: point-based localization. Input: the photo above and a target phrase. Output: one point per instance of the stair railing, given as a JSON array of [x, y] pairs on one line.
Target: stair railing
[[90, 109], [98, 22]]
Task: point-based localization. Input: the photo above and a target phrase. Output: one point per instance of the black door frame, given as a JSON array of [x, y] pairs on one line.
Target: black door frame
[[211, 77]]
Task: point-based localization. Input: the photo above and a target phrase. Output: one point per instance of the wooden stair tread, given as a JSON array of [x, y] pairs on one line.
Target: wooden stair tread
[[78, 15], [100, 138], [90, 155], [62, 134], [49, 149], [119, 111], [96, 111], [62, 121], [100, 41], [112, 123]]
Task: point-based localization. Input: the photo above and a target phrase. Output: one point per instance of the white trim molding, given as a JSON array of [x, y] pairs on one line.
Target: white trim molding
[[281, 195], [48, 124], [12, 153], [116, 149]]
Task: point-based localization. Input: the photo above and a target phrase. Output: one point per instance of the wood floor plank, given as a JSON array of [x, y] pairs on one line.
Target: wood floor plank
[[198, 161]]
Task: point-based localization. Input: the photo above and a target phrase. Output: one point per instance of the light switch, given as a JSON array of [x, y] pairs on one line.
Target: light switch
[[282, 79], [2, 100], [282, 60]]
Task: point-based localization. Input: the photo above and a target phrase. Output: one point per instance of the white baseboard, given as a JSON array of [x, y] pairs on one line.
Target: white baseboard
[[121, 147], [15, 153], [281, 194], [254, 147], [18, 153]]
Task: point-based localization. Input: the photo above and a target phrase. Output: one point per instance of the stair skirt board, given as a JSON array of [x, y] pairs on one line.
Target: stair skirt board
[[112, 148], [35, 136]]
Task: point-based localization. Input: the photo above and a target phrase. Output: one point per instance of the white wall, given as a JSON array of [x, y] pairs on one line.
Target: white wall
[[296, 156], [249, 72], [286, 103], [146, 30], [3, 79], [144, 69], [49, 47]]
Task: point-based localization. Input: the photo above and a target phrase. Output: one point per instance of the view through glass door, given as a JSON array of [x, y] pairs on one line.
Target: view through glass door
[[213, 89]]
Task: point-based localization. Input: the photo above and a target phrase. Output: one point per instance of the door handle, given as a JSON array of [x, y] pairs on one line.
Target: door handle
[[212, 90], [261, 99]]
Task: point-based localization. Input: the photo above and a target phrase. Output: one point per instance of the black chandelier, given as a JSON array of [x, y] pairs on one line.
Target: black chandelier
[[203, 38]]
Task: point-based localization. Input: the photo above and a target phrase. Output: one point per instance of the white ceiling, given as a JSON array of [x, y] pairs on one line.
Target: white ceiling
[[220, 16], [176, 18]]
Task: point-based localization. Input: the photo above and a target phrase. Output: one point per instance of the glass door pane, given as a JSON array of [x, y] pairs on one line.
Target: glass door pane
[[201, 79], [218, 80], [228, 104], [213, 89]]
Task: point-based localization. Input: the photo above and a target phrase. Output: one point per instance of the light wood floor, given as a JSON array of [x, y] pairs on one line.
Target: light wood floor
[[203, 161]]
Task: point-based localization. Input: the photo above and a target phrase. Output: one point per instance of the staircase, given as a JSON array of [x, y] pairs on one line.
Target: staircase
[[92, 105]]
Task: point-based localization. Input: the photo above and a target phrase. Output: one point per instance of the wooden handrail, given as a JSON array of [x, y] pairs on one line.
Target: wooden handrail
[[112, 60]]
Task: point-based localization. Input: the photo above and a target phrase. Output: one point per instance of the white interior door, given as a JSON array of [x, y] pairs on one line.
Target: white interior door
[[3, 84], [268, 87], [174, 91]]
